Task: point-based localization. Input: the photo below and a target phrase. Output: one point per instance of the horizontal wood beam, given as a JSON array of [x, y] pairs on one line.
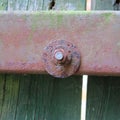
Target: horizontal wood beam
[[24, 35]]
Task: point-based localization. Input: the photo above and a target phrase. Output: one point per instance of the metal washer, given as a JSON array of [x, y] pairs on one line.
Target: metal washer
[[69, 66]]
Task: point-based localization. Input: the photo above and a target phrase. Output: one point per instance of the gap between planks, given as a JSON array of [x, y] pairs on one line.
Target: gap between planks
[[84, 97], [85, 79]]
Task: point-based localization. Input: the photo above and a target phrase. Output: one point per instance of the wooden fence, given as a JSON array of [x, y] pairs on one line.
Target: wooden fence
[[42, 97]]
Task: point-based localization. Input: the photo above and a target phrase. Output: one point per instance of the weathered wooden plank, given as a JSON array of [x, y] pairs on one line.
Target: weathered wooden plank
[[31, 5], [44, 97], [70, 5], [66, 5], [102, 4], [21, 5], [10, 96], [66, 99], [39, 97], [32, 98], [2, 90], [17, 5], [3, 4], [24, 100], [103, 98], [34, 5]]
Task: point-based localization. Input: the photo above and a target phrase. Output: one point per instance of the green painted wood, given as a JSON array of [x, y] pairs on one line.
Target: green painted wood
[[102, 4], [70, 4], [10, 96], [103, 98], [31, 5], [23, 99], [39, 97], [66, 4], [3, 4], [66, 99], [2, 90], [35, 5]]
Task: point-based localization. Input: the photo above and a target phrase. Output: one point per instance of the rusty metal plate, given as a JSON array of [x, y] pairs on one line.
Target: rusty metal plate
[[61, 59], [23, 37]]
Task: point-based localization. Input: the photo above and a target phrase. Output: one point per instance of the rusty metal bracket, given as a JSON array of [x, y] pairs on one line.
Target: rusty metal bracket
[[24, 35]]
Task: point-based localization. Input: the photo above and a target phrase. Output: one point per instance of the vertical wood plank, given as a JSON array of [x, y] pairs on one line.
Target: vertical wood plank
[[10, 94], [21, 5], [70, 5], [66, 4], [66, 99], [31, 5], [32, 98], [17, 5], [23, 99], [34, 5], [102, 4], [2, 90], [3, 4], [46, 98], [103, 98], [43, 97]]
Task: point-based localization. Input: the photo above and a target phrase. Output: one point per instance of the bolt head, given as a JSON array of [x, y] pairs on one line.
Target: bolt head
[[59, 55]]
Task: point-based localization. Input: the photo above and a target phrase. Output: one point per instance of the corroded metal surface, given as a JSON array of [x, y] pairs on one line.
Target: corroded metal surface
[[61, 59], [23, 37]]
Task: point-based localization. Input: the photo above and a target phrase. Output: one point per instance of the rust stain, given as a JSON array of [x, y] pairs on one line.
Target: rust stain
[[61, 59], [23, 37]]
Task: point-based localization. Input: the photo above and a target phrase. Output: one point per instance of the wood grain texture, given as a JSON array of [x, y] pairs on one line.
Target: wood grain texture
[[2, 90], [9, 97], [39, 97], [36, 5], [31, 5], [3, 4], [103, 98], [70, 4], [102, 4], [11, 5], [65, 5]]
